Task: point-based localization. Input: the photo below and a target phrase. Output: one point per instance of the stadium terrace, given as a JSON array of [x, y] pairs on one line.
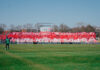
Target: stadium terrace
[[50, 37]]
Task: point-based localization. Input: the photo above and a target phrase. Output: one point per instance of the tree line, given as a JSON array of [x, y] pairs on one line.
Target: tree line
[[65, 28]]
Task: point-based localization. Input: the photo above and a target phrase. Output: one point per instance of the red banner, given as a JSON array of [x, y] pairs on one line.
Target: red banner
[[50, 37]]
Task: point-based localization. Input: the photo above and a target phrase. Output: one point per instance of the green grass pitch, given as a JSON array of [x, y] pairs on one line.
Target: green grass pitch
[[50, 57]]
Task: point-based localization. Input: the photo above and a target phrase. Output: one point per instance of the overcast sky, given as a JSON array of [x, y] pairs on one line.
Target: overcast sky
[[68, 12]]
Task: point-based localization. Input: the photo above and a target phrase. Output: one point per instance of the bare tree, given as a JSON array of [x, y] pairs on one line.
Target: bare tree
[[79, 24], [12, 28], [28, 27], [55, 28], [18, 28], [75, 29], [83, 28], [63, 28], [2, 28], [90, 28]]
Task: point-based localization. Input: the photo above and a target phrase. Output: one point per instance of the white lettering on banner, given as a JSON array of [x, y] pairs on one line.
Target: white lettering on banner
[[51, 37]]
